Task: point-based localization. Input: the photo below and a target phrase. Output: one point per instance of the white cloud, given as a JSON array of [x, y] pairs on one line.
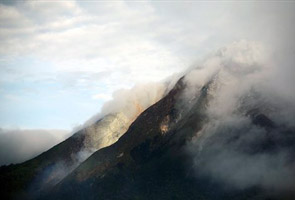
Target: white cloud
[[102, 96], [81, 40], [129, 42]]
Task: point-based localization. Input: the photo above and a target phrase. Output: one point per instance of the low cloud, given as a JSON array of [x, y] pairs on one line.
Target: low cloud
[[232, 148], [241, 155], [108, 126], [18, 145]]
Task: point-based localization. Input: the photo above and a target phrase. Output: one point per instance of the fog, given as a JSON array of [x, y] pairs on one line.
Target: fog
[[18, 145], [232, 148], [255, 76]]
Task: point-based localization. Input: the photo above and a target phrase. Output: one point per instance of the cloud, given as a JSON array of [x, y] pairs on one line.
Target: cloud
[[76, 50], [101, 96], [146, 45], [90, 49], [106, 127], [18, 145], [231, 148], [241, 155], [64, 43], [86, 42], [129, 103]]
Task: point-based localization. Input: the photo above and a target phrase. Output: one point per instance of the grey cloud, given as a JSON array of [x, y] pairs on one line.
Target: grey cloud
[[137, 43], [17, 145], [234, 152], [231, 148]]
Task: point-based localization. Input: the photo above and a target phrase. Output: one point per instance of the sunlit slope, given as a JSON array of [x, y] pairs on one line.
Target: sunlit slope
[[167, 153], [51, 166]]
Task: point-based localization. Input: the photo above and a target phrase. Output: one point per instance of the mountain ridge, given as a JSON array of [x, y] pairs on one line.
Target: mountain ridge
[[184, 146]]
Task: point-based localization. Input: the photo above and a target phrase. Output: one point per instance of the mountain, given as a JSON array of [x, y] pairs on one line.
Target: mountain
[[47, 169], [219, 133], [148, 161], [151, 160]]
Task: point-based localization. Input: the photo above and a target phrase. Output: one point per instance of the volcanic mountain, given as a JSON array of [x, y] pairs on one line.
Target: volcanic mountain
[[214, 135]]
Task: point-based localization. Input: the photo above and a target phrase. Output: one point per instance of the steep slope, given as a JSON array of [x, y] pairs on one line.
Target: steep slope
[[220, 133], [30, 178], [50, 167], [151, 160], [153, 142]]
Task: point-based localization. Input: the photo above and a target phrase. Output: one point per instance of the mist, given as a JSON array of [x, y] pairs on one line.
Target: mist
[[117, 114], [105, 128], [245, 51], [18, 145], [245, 142], [131, 102]]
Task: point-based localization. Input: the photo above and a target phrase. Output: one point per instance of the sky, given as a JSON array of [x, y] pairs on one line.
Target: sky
[[60, 61]]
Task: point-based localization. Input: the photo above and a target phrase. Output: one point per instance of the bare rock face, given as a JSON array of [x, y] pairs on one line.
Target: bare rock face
[[106, 132]]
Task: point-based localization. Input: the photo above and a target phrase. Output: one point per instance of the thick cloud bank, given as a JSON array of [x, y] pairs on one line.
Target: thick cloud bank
[[248, 139], [20, 145]]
